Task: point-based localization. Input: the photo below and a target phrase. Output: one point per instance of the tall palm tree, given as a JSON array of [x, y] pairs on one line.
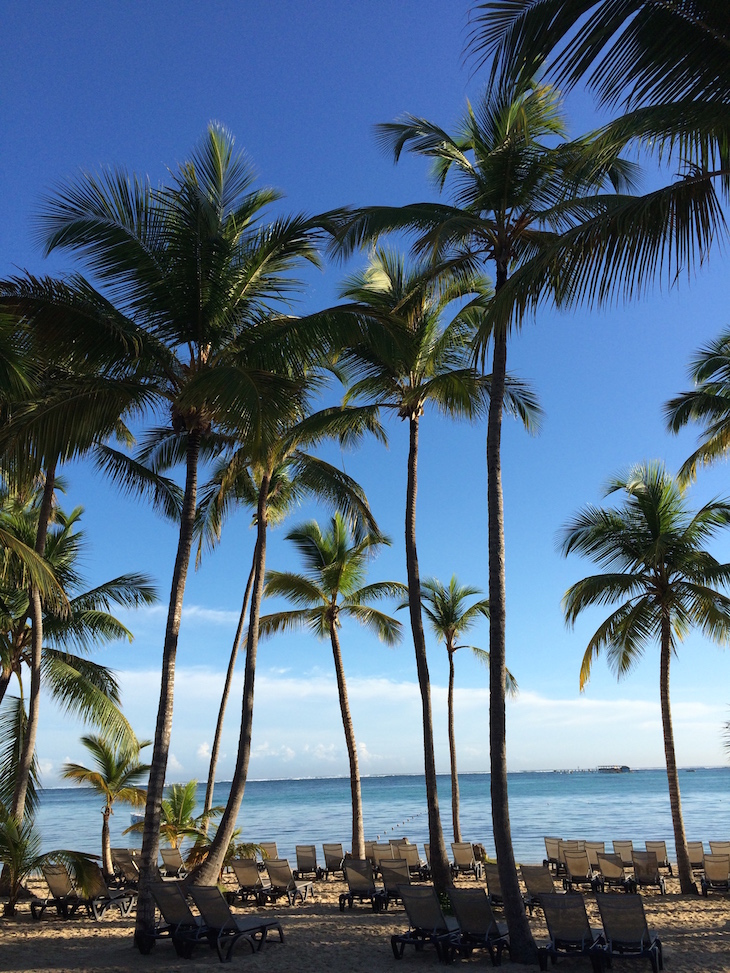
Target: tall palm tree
[[276, 451], [664, 582], [708, 404], [450, 618], [518, 186], [193, 274], [116, 775], [332, 588]]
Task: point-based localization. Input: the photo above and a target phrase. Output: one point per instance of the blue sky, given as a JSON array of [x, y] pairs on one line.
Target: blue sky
[[301, 86]]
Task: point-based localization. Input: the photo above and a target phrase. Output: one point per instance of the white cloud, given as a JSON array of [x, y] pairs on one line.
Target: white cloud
[[173, 763], [203, 751]]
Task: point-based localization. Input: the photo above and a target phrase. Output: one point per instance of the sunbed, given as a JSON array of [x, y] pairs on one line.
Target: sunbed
[[720, 847], [100, 897], [478, 929], [625, 849], [177, 921], [494, 886], [63, 896], [593, 850], [578, 871], [307, 862], [174, 866], [427, 923], [464, 861], [716, 877], [612, 873], [380, 850], [125, 867], [228, 929], [408, 853], [538, 880], [268, 850], [251, 881], [625, 930], [552, 853], [696, 853], [569, 930], [334, 859], [646, 871], [395, 875], [284, 883], [660, 850], [360, 885]]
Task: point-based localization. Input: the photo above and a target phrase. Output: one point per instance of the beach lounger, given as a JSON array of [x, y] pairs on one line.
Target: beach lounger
[[578, 871], [369, 845], [284, 883], [538, 880], [268, 850], [334, 859], [251, 881], [63, 896], [720, 847], [478, 929], [380, 850], [427, 853], [464, 861], [494, 886], [427, 923], [173, 864], [612, 873], [228, 929], [101, 897], [625, 849], [593, 850], [360, 885], [177, 922], [716, 877], [625, 930], [571, 845], [646, 872], [125, 867], [660, 850], [307, 862], [696, 854], [395, 874], [552, 853], [569, 930], [409, 853]]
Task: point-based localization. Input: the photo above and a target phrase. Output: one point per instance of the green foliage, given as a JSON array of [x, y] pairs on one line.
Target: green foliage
[[177, 816]]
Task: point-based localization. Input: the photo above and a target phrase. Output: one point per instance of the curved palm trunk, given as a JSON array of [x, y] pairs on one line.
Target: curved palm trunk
[[684, 869], [106, 844], [522, 945], [215, 749], [36, 614], [439, 860], [208, 871], [156, 786], [358, 830], [452, 754]]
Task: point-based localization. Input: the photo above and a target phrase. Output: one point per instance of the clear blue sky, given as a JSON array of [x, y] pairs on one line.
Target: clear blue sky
[[301, 86]]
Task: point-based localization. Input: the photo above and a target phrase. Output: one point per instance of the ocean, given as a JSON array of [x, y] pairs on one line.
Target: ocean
[[586, 805]]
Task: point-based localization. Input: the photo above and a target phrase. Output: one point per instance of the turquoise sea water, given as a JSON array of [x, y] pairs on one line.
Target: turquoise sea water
[[577, 805]]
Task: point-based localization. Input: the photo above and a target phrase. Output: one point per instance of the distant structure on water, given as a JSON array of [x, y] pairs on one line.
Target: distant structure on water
[[614, 769]]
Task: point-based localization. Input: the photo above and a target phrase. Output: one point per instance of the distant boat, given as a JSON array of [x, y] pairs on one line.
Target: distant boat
[[614, 769], [137, 817]]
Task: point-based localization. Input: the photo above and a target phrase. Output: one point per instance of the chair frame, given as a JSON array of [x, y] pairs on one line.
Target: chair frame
[[225, 930], [643, 945], [589, 943], [473, 913], [428, 925], [177, 922], [360, 885]]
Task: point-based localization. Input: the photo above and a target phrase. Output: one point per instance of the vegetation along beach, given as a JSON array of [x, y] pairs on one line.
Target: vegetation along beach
[[363, 495]]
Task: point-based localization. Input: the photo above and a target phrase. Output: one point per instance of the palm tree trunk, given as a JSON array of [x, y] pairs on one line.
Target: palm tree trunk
[[156, 786], [208, 871], [215, 749], [686, 880], [358, 830], [36, 613], [106, 844], [439, 860], [522, 945], [452, 755]]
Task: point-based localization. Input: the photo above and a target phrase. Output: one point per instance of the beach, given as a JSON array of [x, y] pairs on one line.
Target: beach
[[694, 931]]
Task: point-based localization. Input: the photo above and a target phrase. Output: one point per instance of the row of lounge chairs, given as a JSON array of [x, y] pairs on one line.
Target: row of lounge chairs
[[96, 896], [557, 848], [273, 882]]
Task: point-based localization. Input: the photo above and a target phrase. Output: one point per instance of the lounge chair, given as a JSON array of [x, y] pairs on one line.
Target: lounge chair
[[625, 849], [173, 864], [284, 883], [125, 867], [571, 845], [268, 850], [593, 850], [660, 850], [646, 872], [716, 876], [228, 929], [360, 885], [696, 852], [369, 845], [538, 880], [569, 930], [178, 923], [427, 853], [612, 873], [494, 886], [334, 859], [625, 930], [63, 896], [720, 847], [427, 923], [251, 882], [380, 850], [578, 871], [552, 853], [464, 861], [307, 862], [395, 874], [409, 853], [478, 929], [101, 897]]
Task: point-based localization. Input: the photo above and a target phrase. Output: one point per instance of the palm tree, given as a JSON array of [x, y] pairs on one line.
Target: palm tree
[[708, 403], [518, 187], [450, 618], [279, 451], [194, 275], [115, 775], [333, 588], [178, 819], [664, 581]]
